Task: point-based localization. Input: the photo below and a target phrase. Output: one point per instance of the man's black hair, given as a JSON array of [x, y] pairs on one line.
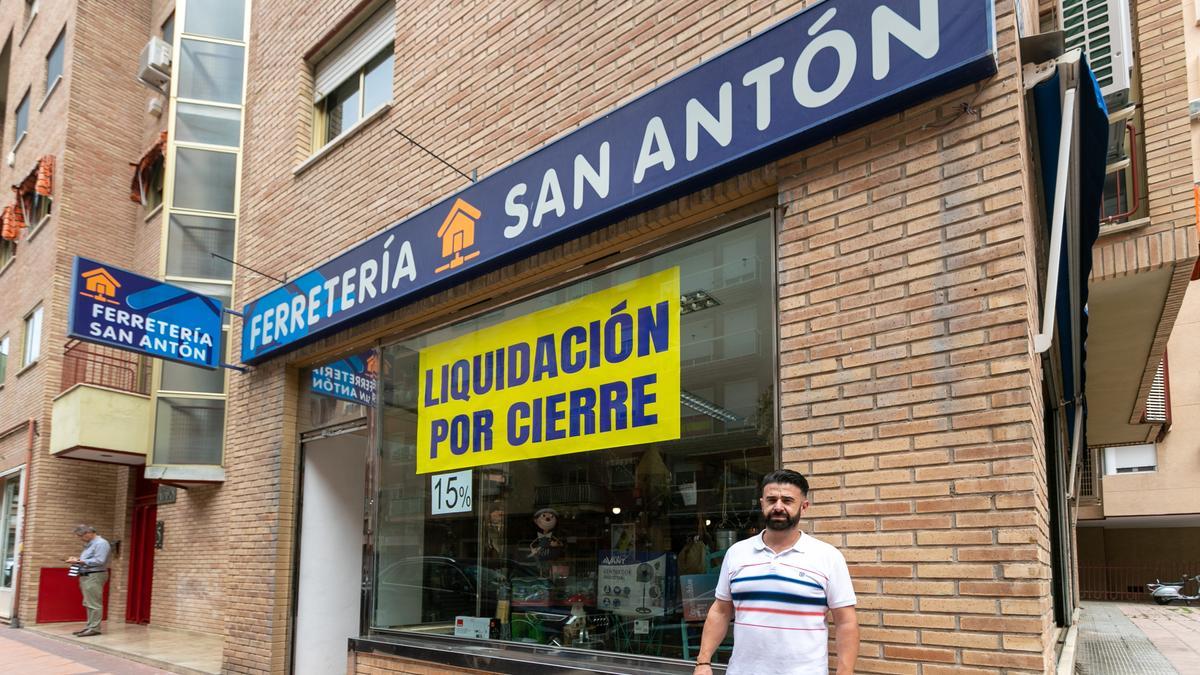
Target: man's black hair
[[786, 477]]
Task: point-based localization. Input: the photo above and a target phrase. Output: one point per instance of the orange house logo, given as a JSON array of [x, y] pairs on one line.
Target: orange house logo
[[458, 234], [101, 286]]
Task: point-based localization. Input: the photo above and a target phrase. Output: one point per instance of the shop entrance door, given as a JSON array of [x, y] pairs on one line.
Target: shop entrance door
[[141, 550], [329, 577], [10, 508]]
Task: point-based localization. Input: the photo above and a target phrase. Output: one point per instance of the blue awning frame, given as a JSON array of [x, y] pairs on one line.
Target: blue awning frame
[[1072, 136]]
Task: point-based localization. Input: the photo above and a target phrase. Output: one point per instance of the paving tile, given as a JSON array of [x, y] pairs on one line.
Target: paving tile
[[1111, 643], [23, 652]]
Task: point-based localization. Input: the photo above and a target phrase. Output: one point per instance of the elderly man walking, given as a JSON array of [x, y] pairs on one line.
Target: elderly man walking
[[93, 572]]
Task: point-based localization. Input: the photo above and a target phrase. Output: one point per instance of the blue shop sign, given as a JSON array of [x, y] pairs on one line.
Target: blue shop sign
[[835, 66], [112, 306]]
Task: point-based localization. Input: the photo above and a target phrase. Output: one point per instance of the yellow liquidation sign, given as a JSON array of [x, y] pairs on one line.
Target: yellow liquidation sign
[[598, 372]]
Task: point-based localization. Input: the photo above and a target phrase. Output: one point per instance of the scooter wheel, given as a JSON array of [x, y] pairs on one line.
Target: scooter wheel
[[1162, 601]]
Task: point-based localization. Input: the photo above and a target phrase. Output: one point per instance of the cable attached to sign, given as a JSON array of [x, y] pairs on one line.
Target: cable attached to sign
[[474, 172], [247, 267]]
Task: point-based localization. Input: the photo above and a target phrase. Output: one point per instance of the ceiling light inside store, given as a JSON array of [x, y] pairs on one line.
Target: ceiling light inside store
[[709, 408], [696, 301], [616, 510]]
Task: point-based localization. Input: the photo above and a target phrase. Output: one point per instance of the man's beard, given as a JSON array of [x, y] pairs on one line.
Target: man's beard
[[787, 522]]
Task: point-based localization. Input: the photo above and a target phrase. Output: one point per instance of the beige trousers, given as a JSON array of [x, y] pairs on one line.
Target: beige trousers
[[92, 587]]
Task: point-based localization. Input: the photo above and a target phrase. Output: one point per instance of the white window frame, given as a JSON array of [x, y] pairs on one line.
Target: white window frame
[[1134, 460], [20, 134], [321, 113], [5, 258], [31, 342], [346, 60], [52, 82], [4, 342]]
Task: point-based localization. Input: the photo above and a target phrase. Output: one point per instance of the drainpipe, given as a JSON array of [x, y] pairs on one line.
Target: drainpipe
[[15, 622]]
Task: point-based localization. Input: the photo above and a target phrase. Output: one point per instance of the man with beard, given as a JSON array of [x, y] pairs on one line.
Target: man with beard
[[777, 588]]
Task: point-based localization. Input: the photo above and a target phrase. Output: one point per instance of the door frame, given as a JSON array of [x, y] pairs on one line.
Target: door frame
[[5, 478], [359, 426]]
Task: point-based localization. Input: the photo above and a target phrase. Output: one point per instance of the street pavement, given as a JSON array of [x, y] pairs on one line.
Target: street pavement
[[24, 653], [1121, 638], [1174, 630]]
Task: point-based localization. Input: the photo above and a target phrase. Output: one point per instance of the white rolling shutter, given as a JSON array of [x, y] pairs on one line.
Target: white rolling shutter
[[1156, 401], [376, 33], [1101, 29]]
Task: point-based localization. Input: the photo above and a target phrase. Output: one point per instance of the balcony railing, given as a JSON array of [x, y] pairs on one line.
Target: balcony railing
[[86, 363], [1102, 582]]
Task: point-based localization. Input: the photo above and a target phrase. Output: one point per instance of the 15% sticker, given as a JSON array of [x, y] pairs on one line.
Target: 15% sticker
[[451, 493]]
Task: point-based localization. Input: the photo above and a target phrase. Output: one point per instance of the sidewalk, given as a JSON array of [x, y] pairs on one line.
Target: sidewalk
[[1120, 638], [26, 653], [178, 651], [1174, 630]]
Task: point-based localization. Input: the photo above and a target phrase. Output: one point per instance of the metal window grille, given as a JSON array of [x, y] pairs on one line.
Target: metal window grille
[[1087, 474]]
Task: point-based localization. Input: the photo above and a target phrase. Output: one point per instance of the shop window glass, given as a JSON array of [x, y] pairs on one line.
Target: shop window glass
[[204, 180], [189, 430], [191, 242], [198, 123], [340, 391], [613, 549], [210, 71], [216, 18]]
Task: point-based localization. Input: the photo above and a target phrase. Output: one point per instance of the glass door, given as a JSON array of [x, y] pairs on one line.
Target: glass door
[[9, 521]]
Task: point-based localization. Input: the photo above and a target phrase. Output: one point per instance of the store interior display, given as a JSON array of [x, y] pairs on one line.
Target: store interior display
[[614, 549]]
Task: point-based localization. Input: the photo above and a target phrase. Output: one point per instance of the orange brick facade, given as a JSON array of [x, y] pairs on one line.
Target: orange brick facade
[[907, 282], [910, 393], [95, 123]]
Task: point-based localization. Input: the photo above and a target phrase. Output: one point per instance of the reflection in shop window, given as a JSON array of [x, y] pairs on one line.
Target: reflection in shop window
[[614, 549]]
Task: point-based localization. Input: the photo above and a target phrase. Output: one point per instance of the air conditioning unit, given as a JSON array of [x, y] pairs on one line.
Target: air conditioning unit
[[1101, 28], [154, 66]]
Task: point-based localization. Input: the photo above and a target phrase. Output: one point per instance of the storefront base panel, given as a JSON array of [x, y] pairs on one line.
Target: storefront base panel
[[380, 655]]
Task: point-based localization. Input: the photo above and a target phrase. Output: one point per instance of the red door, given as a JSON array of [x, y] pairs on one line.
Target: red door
[[141, 550]]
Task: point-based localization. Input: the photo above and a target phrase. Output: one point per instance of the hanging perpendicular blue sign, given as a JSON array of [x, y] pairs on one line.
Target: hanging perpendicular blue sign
[[116, 307]]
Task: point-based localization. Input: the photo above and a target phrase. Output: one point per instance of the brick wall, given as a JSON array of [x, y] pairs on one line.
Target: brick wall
[[910, 392], [86, 124], [906, 280], [188, 585]]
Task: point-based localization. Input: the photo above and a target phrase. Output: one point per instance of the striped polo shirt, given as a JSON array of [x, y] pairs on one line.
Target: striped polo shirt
[[780, 601]]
